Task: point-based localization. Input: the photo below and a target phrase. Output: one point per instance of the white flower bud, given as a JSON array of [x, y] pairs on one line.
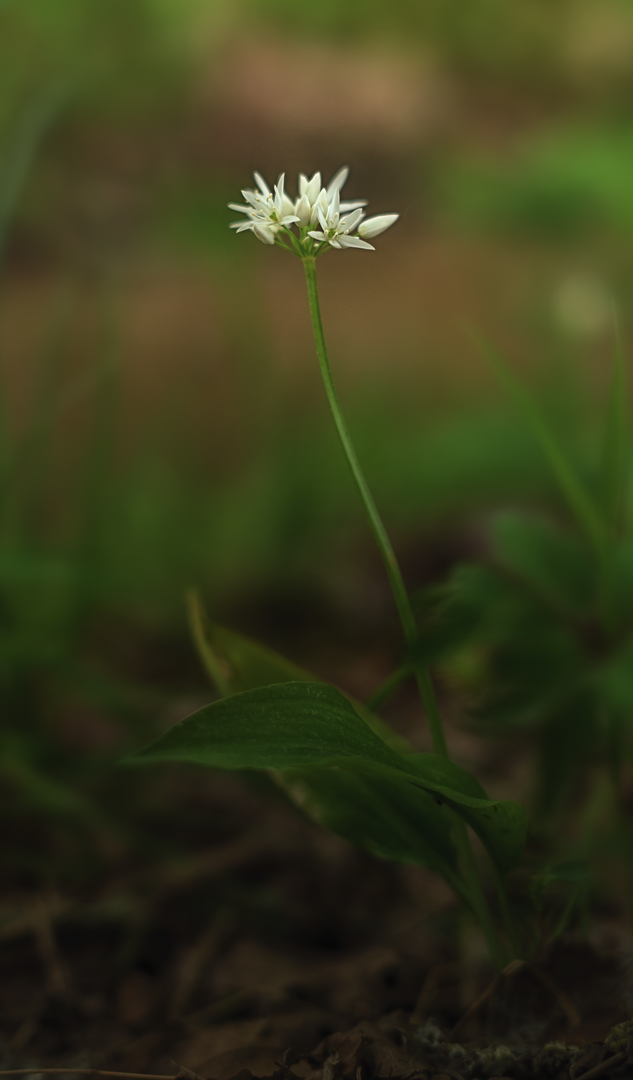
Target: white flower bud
[[321, 204], [303, 209], [313, 187], [373, 226]]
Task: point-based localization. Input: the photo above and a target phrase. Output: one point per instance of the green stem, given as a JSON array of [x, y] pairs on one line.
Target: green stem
[[380, 535], [478, 901], [467, 859]]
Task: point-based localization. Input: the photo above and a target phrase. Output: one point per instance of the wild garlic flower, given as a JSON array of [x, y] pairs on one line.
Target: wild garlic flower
[[337, 229], [273, 215], [266, 211], [312, 196]]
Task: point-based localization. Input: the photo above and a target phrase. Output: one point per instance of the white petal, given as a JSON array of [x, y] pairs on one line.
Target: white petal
[[322, 219], [261, 184], [314, 187], [241, 226], [335, 205], [321, 205], [336, 183], [303, 210], [317, 235], [279, 191], [289, 219], [350, 221], [240, 208], [376, 225], [354, 242], [287, 206], [264, 233], [346, 206], [335, 243]]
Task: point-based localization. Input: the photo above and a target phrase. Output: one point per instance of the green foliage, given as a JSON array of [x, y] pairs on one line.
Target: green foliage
[[335, 759], [574, 491], [549, 615], [571, 880], [380, 814], [286, 726], [118, 53], [566, 182], [19, 150], [311, 725], [235, 663]]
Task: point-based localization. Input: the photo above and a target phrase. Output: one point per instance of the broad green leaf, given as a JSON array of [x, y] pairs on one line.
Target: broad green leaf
[[572, 488], [501, 826], [445, 773], [298, 725], [390, 819], [613, 472], [236, 663], [283, 726]]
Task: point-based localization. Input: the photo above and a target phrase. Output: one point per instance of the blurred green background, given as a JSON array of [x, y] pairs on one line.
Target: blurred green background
[[162, 421]]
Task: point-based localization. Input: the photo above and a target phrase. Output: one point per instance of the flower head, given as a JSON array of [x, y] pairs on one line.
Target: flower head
[[266, 211], [272, 216], [337, 229]]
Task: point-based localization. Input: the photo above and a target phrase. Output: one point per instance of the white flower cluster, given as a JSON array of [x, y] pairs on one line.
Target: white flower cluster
[[271, 213]]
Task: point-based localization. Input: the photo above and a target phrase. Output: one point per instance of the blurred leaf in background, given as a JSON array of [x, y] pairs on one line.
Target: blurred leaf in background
[[562, 183]]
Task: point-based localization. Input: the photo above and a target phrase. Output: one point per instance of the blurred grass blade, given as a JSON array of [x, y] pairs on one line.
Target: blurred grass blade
[[20, 148], [614, 466], [35, 454], [212, 663], [580, 502], [96, 479]]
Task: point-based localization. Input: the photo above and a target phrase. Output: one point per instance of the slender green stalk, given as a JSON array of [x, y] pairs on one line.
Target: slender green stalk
[[195, 616], [384, 544], [470, 869], [477, 896]]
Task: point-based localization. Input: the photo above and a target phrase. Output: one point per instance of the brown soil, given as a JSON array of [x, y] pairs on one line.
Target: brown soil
[[271, 946]]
